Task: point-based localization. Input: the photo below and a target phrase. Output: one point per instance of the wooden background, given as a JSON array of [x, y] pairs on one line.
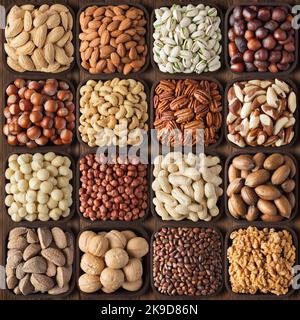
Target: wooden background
[[149, 76]]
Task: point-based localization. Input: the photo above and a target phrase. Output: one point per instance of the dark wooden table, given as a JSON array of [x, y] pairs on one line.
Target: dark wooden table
[[75, 150]]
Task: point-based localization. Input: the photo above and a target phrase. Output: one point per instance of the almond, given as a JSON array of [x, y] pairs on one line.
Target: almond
[[61, 57], [101, 65], [26, 63], [94, 57], [137, 64], [106, 51], [113, 26], [115, 59], [125, 24], [283, 206], [64, 20], [257, 178], [267, 192], [59, 8], [26, 49], [39, 36], [55, 256], [132, 13], [69, 49], [121, 50], [40, 20], [14, 28], [53, 21], [123, 38], [11, 53], [27, 21], [38, 59], [98, 12], [105, 38], [273, 161], [35, 265], [267, 207], [20, 39], [55, 34], [49, 53], [133, 54], [41, 282], [127, 68], [59, 237]]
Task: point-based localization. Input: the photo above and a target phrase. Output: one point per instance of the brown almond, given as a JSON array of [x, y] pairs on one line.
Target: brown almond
[[55, 256], [95, 43], [273, 161], [121, 50], [91, 36], [137, 64], [132, 13], [125, 24], [110, 66], [101, 65], [283, 206], [249, 196], [94, 24], [133, 54], [115, 59], [127, 68], [235, 186], [280, 174], [105, 38], [267, 192], [243, 162], [98, 12], [41, 282], [88, 52], [267, 207], [106, 51], [35, 265], [45, 237], [94, 57], [113, 26], [123, 38], [257, 178]]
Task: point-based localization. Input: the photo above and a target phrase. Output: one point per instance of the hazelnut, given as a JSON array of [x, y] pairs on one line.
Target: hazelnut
[[35, 116], [33, 133], [91, 264], [41, 141], [22, 137], [14, 109], [137, 247], [19, 83], [36, 99], [11, 89], [112, 279], [51, 106], [59, 123], [47, 123], [133, 270], [24, 121]]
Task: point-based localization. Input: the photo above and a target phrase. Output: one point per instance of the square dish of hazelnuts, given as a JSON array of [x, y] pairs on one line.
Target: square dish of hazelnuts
[[113, 261], [260, 38], [39, 113]]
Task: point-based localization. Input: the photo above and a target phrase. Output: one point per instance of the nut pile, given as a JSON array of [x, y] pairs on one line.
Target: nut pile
[[113, 112], [261, 186], [261, 113], [261, 39], [39, 38], [261, 261], [187, 261], [113, 39], [112, 189], [187, 39], [186, 186], [39, 113], [187, 112], [111, 260], [38, 187], [39, 261]]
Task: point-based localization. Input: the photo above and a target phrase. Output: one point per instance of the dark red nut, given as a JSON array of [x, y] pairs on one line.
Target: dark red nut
[[25, 105], [262, 66], [283, 67], [261, 33], [285, 58], [47, 123], [250, 67], [14, 109], [269, 42], [11, 89], [19, 83], [253, 25], [254, 44], [249, 35], [241, 44], [273, 68], [232, 49], [261, 54], [286, 26], [237, 13], [63, 95], [21, 92], [33, 133], [12, 140], [51, 106], [264, 14], [275, 56], [280, 34], [231, 20], [237, 58], [289, 47], [41, 141], [279, 14], [271, 25], [249, 14], [50, 87], [231, 35], [238, 67], [36, 116], [63, 85], [239, 28]]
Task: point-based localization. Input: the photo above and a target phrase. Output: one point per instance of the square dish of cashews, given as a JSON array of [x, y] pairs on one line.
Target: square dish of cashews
[[113, 112], [39, 187], [187, 186]]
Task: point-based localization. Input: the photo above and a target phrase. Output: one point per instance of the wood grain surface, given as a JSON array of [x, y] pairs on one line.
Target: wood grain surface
[[75, 150]]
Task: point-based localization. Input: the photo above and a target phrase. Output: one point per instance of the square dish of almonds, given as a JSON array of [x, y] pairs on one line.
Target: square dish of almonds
[[39, 38]]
